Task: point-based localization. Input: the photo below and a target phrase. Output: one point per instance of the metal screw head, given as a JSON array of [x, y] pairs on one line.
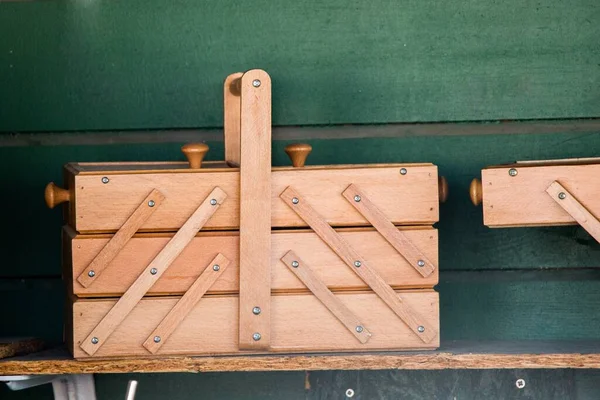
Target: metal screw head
[[295, 264], [153, 271], [256, 83], [216, 267], [562, 195], [256, 336], [421, 328], [295, 200], [403, 171], [213, 202], [357, 198], [357, 263], [256, 310], [421, 263], [95, 340], [91, 274], [513, 172], [349, 393], [156, 339], [151, 203], [105, 179], [359, 328], [520, 383]]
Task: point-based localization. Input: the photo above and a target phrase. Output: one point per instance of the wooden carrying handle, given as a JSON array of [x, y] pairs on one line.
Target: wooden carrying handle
[[476, 192], [298, 152], [195, 152], [442, 189], [55, 195]]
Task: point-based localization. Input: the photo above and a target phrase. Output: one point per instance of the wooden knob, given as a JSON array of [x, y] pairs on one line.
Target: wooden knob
[[476, 192], [55, 195], [298, 153], [195, 152], [442, 189]]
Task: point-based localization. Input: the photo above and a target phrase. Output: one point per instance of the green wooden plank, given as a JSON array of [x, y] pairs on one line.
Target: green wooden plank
[[32, 244], [142, 64]]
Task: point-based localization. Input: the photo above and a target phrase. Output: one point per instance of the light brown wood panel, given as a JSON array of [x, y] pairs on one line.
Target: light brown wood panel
[[404, 199], [231, 119], [142, 248], [299, 323], [522, 200]]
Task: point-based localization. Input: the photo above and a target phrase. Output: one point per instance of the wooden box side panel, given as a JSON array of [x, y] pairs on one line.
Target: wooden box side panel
[[141, 249], [522, 200], [404, 199], [299, 323]]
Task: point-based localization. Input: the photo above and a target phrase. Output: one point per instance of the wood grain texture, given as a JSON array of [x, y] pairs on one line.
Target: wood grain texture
[[568, 201], [103, 259], [10, 347], [142, 248], [255, 210], [328, 299], [457, 61], [299, 323], [358, 264], [396, 238], [410, 199], [465, 243], [521, 200], [231, 120], [152, 272], [192, 296], [532, 354]]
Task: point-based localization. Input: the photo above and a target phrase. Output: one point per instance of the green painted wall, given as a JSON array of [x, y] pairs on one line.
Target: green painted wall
[[85, 65]]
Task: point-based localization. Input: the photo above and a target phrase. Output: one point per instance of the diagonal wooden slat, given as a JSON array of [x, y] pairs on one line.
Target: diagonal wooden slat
[[578, 211], [153, 272], [411, 318], [192, 296], [120, 239], [396, 238], [325, 296]]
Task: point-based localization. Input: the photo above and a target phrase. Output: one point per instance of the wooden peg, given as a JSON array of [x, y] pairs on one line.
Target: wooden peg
[[195, 152], [56, 195], [298, 152], [442, 189], [476, 192]]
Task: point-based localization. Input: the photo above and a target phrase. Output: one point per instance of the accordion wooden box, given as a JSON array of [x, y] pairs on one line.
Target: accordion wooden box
[[236, 257]]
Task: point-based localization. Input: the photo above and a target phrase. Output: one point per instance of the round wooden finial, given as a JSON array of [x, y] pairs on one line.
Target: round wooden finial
[[298, 153], [195, 152], [476, 192], [442, 189], [55, 195]]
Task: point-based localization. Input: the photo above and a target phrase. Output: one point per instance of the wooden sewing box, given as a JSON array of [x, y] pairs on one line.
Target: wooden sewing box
[[238, 257]]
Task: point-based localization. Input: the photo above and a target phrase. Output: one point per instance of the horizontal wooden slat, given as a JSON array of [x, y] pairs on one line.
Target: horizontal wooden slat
[[404, 199], [299, 323], [140, 250], [521, 200]]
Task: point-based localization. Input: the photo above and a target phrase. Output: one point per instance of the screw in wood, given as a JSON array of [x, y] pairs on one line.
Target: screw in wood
[[357, 264], [421, 328], [513, 172], [295, 200], [256, 310], [94, 340], [216, 267], [562, 195], [151, 203], [91, 274], [153, 271], [256, 336], [295, 264], [357, 198], [421, 263], [213, 202], [105, 179], [256, 83], [359, 329], [156, 339], [403, 171]]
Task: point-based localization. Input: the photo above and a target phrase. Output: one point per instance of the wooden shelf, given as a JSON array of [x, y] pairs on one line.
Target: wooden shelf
[[452, 355]]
